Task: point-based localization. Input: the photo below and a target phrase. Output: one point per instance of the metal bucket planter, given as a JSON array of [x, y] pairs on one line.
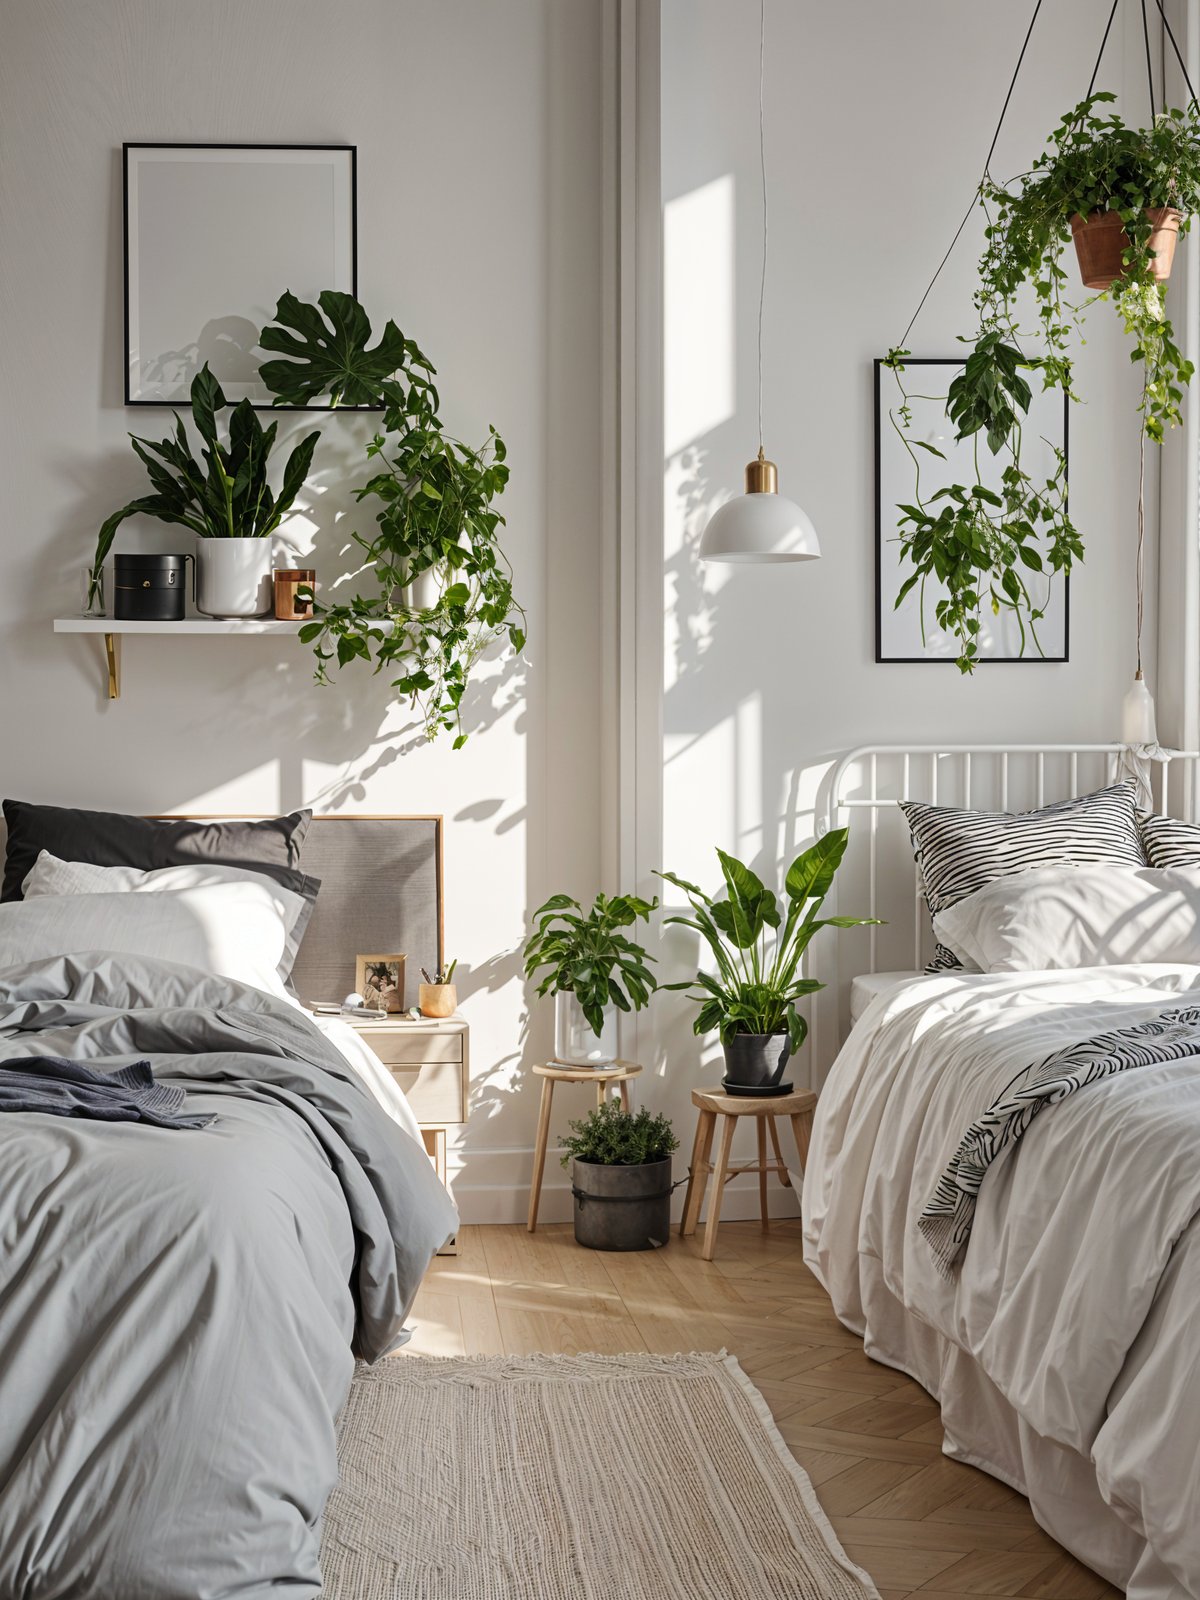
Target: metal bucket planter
[[622, 1208], [756, 1060]]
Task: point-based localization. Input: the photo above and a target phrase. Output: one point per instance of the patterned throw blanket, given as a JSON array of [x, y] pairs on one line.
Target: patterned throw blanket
[[946, 1221]]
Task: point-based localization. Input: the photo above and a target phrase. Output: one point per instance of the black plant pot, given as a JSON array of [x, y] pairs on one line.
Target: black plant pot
[[756, 1060], [622, 1208]]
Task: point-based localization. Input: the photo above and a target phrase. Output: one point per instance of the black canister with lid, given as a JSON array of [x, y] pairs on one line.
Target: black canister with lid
[[149, 588]]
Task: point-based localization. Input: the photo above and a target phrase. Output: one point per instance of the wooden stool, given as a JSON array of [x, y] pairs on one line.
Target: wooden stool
[[714, 1103], [619, 1072]]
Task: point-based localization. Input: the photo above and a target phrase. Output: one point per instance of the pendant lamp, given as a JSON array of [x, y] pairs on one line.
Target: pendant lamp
[[760, 525]]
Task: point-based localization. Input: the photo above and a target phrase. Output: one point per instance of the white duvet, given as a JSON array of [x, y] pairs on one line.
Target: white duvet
[[1066, 1352]]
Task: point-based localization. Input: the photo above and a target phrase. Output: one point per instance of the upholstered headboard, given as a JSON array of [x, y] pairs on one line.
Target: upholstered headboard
[[381, 891]]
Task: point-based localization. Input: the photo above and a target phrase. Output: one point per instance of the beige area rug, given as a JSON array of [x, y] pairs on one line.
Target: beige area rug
[[635, 1477]]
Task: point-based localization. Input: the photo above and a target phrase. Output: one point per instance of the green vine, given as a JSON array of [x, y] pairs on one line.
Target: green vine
[[1002, 549]]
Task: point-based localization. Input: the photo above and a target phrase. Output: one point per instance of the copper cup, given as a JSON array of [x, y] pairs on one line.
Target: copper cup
[[288, 581]]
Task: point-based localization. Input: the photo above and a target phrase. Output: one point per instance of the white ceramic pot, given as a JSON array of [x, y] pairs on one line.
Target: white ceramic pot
[[425, 590], [233, 577], [575, 1044]]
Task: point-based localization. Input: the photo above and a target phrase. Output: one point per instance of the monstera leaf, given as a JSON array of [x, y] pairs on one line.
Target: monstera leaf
[[327, 352]]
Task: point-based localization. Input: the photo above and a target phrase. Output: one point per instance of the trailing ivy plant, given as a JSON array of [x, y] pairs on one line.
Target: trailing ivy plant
[[987, 547], [226, 494], [435, 512]]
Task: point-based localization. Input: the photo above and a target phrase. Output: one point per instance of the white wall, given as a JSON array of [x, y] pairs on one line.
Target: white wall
[[478, 134], [878, 120]]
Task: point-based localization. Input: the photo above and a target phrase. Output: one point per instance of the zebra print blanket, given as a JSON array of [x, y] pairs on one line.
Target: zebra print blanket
[[947, 1220]]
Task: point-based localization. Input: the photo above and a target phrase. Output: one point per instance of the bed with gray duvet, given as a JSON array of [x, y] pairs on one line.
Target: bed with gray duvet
[[180, 1308]]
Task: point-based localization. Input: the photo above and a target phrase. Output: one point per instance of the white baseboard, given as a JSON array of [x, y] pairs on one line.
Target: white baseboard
[[510, 1203]]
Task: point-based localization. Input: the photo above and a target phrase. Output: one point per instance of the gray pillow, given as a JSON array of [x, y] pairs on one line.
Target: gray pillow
[[269, 845]]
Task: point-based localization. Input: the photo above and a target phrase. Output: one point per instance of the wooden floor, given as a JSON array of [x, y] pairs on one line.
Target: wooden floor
[[922, 1525]]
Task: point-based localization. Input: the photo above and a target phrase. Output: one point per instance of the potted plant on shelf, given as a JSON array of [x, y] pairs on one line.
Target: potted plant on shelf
[[438, 996], [621, 1178], [441, 588], [227, 501], [1122, 195], [758, 946], [594, 971]]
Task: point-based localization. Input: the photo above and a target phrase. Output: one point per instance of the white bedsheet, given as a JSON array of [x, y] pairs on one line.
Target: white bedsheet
[[1066, 1354]]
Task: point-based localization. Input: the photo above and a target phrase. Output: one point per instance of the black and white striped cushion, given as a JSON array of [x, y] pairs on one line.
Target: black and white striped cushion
[[959, 851], [1169, 842]]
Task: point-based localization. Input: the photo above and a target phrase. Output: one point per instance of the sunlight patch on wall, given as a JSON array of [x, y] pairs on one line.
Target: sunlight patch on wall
[[256, 792], [712, 793], [698, 289]]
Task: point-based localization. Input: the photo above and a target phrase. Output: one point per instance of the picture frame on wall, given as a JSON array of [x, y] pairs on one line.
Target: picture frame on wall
[[213, 235], [898, 631]]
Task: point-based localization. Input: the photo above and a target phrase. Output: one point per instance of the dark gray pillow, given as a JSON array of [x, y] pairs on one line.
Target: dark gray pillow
[[110, 839]]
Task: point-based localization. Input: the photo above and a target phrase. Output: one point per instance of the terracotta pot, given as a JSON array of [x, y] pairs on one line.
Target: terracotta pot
[[437, 999], [1101, 241]]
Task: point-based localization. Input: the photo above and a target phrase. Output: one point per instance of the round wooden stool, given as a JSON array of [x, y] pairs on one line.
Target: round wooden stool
[[619, 1072], [714, 1103]]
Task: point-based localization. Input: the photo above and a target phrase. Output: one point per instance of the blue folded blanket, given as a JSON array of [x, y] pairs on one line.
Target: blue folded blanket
[[69, 1089]]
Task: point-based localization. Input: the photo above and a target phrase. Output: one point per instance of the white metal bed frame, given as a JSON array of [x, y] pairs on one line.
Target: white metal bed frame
[[1040, 773]]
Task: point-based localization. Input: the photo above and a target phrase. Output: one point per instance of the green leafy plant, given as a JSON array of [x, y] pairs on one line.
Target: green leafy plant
[[613, 1137], [226, 495], [986, 546], [435, 498], [588, 956], [758, 942]]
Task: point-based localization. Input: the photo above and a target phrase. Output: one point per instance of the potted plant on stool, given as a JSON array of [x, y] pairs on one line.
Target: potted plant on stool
[[751, 999], [621, 1178], [595, 971]]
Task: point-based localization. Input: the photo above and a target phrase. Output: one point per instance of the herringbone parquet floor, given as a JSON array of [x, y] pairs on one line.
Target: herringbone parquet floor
[[922, 1525]]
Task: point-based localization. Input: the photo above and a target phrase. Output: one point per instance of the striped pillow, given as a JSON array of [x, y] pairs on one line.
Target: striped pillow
[[959, 851], [1169, 842]]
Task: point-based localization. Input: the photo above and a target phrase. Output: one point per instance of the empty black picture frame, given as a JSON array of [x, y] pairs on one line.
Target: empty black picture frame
[[223, 325]]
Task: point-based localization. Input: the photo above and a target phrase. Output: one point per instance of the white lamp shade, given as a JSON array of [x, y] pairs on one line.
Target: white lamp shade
[[759, 528]]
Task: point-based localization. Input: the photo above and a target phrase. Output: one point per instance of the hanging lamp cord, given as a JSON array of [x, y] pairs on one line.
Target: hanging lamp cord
[[983, 178], [762, 163]]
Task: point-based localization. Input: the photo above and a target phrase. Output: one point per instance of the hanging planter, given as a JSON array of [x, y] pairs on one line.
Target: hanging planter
[[1123, 195], [1102, 245]]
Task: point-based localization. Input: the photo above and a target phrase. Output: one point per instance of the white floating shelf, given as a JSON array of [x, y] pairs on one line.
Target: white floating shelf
[[112, 630], [191, 625]]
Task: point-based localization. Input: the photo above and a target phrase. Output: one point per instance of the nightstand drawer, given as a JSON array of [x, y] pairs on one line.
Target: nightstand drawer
[[400, 1045], [435, 1089]]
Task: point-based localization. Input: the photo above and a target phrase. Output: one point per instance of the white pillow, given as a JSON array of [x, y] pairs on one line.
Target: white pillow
[[50, 876], [1088, 916], [232, 929]]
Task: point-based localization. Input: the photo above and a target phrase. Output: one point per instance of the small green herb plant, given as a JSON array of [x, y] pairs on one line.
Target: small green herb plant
[[435, 512], [586, 953], [442, 975], [226, 494], [1000, 548], [613, 1137], [758, 943]]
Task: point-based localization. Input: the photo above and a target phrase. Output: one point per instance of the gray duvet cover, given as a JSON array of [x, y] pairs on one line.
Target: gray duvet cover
[[180, 1309]]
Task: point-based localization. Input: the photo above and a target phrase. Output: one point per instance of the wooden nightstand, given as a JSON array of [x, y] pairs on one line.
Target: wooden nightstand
[[430, 1060]]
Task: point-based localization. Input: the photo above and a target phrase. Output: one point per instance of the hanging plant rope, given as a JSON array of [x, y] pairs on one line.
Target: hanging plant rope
[[986, 546]]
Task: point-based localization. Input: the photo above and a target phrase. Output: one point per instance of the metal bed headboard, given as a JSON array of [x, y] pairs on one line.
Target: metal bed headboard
[[879, 877]]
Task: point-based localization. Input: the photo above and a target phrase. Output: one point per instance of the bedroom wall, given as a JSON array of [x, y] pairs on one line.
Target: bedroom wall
[[878, 120], [478, 134]]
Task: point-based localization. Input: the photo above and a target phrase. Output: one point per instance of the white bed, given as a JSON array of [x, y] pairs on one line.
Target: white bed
[[1065, 1352]]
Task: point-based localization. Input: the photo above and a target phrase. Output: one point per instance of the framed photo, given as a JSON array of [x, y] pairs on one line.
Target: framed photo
[[380, 980], [898, 634], [214, 234]]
